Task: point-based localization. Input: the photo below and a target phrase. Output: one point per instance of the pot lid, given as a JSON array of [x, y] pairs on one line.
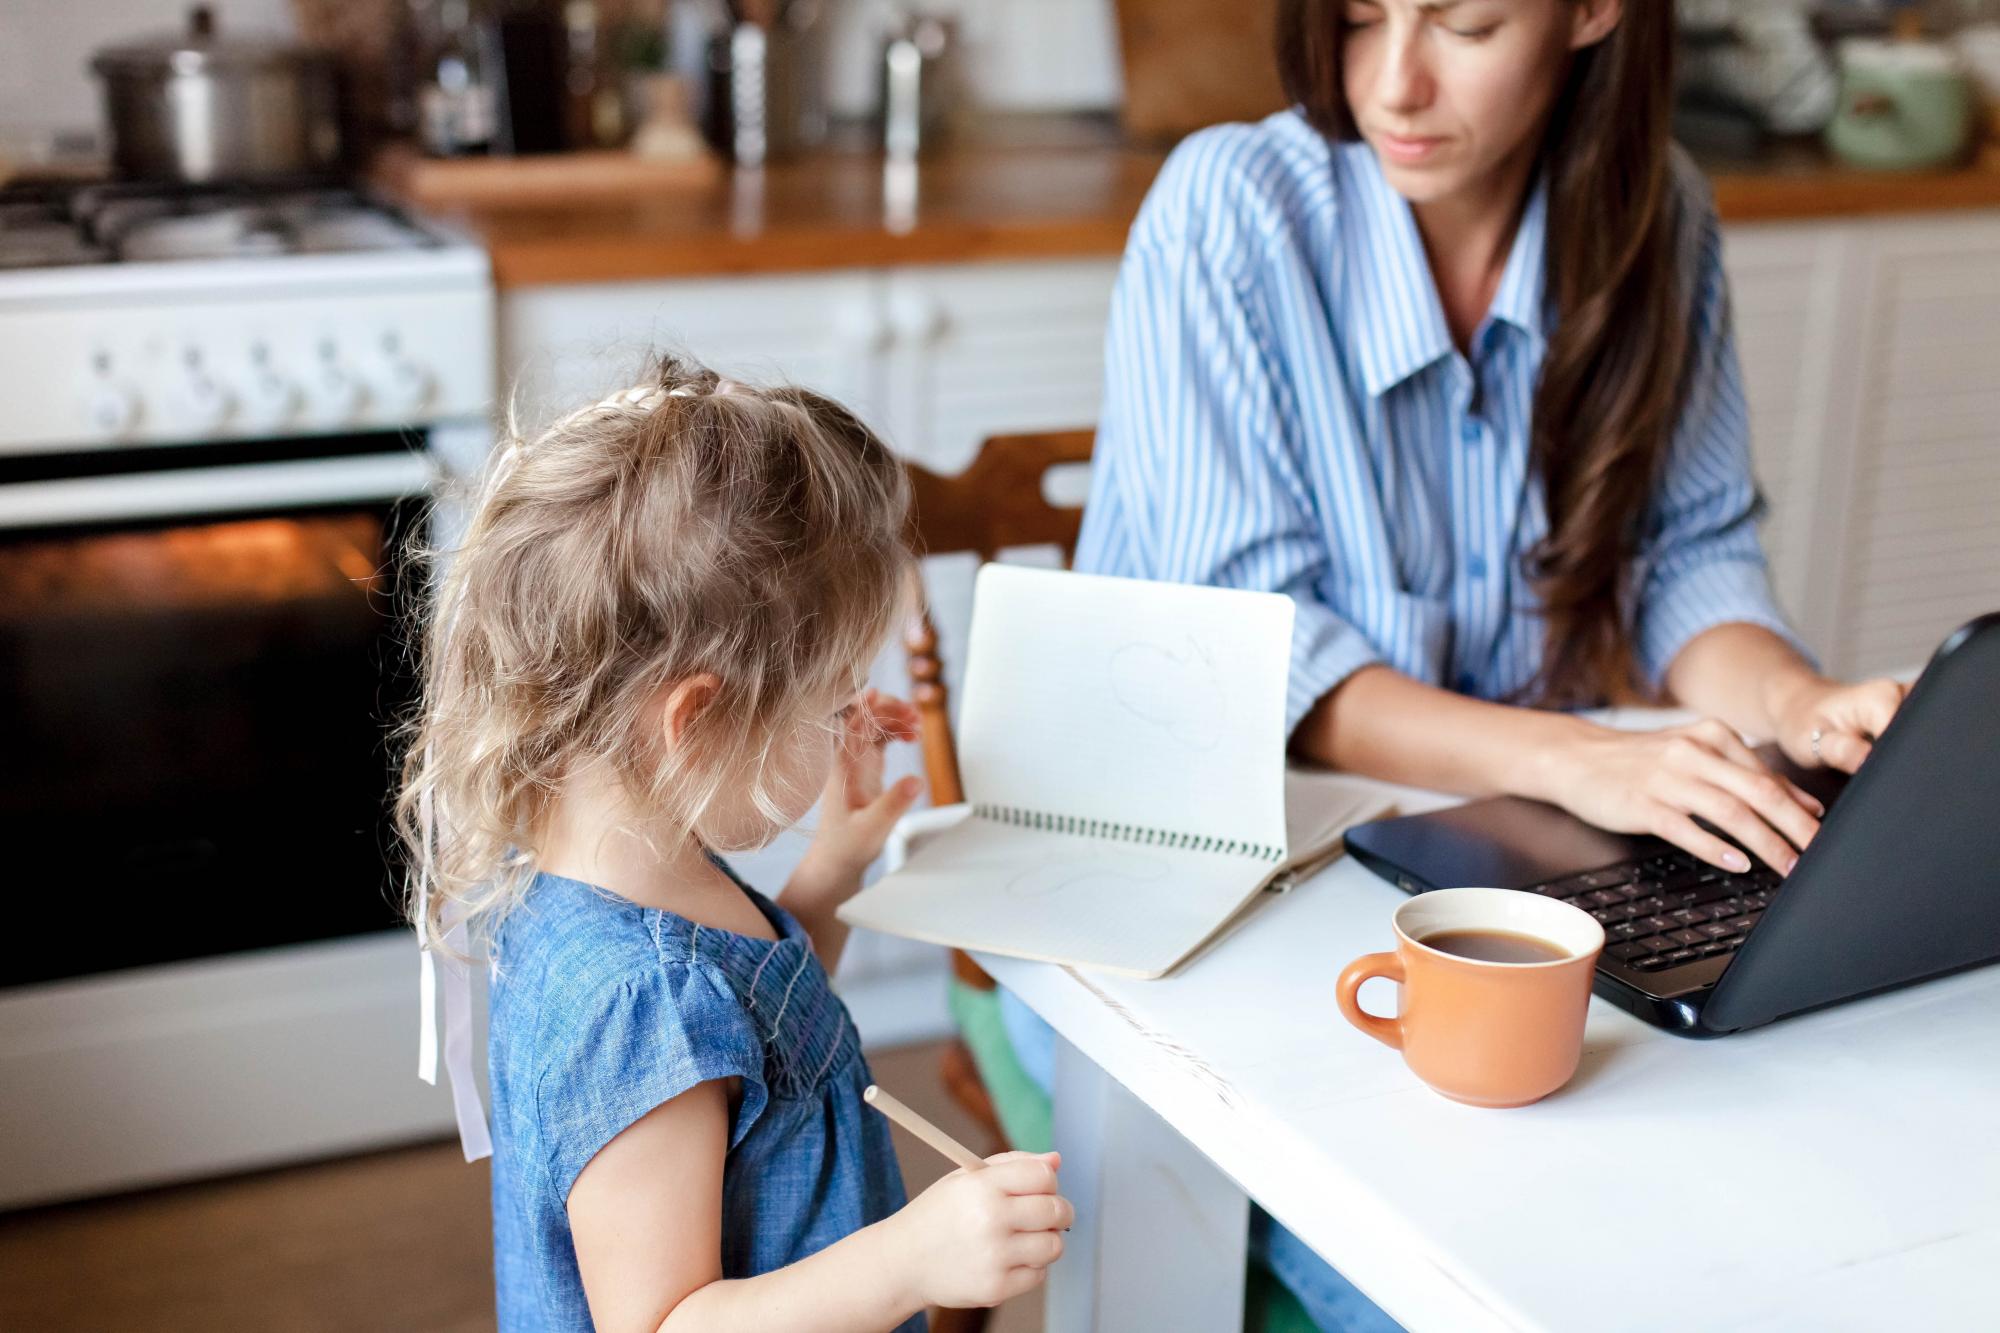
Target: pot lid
[[200, 47]]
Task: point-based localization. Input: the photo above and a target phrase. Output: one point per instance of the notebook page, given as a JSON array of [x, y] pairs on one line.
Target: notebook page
[[1057, 897], [1149, 704], [1321, 806]]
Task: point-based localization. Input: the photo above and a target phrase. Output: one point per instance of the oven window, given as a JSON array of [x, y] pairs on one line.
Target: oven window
[[194, 753]]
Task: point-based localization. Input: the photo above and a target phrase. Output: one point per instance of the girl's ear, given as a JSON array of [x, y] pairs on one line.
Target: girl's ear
[[683, 703], [1592, 21]]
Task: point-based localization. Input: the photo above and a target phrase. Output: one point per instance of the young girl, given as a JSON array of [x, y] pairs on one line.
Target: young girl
[[647, 651]]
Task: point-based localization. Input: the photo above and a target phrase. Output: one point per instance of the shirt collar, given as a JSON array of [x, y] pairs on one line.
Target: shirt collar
[[1522, 299], [1393, 309]]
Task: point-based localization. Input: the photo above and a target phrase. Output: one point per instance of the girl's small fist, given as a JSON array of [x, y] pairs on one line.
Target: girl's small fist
[[978, 1238]]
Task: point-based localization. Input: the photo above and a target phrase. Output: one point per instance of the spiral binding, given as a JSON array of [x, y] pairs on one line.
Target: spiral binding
[[1049, 822]]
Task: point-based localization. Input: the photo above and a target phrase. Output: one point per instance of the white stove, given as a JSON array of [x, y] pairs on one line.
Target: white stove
[[227, 413], [148, 315]]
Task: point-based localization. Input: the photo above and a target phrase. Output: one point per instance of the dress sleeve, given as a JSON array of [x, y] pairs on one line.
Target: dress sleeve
[[1702, 564], [626, 1044], [1195, 477]]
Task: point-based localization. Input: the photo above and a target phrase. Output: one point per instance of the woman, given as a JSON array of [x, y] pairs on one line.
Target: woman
[[1444, 354]]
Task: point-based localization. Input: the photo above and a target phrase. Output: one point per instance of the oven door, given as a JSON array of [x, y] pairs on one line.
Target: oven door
[[199, 668]]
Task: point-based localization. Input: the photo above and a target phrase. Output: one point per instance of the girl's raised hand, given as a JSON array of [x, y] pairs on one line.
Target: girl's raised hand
[[856, 813], [978, 1238]]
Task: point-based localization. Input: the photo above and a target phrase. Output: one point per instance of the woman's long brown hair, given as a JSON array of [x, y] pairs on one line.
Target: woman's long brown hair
[[1614, 377]]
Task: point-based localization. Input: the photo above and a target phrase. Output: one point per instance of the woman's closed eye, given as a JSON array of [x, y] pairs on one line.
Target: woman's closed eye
[[1358, 16]]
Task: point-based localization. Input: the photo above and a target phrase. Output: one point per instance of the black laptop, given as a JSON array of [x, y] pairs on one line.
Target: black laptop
[[1902, 883]]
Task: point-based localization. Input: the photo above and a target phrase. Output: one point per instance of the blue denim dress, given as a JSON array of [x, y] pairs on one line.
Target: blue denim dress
[[601, 1011]]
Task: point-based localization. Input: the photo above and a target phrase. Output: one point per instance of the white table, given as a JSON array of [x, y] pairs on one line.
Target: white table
[[1837, 1171]]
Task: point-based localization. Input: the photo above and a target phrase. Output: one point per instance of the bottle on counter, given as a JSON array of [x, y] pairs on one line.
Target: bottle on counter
[[457, 106]]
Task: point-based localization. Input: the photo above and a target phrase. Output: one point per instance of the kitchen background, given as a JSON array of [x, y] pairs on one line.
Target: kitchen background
[[230, 400]]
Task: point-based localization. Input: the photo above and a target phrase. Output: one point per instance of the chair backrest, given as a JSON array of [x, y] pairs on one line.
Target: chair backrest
[[995, 504]]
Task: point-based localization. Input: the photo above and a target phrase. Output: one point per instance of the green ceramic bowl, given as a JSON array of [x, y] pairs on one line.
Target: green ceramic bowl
[[1904, 106]]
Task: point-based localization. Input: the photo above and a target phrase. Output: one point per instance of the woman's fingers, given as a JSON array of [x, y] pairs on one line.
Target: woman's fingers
[[1735, 817], [1680, 829], [1867, 708], [1849, 720], [1770, 799], [1842, 749], [1806, 799]]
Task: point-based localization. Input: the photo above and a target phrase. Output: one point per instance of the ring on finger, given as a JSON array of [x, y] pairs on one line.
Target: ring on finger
[[1817, 737]]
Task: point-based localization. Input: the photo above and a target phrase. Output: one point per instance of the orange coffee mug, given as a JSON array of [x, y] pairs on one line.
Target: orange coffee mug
[[1495, 987]]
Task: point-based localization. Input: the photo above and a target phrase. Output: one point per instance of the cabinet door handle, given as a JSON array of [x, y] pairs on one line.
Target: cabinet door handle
[[917, 318], [863, 327]]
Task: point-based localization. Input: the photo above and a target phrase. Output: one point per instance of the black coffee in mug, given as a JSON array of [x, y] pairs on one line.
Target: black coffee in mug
[[1495, 946]]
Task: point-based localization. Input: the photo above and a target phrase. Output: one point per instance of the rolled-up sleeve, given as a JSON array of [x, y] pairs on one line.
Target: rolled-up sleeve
[[1196, 478], [1701, 563]]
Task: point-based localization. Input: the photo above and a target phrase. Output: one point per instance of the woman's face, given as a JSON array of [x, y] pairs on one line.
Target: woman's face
[[1452, 93]]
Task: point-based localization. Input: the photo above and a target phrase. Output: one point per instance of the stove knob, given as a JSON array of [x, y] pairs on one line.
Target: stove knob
[[340, 395], [272, 401], [409, 388], [204, 404], [111, 408]]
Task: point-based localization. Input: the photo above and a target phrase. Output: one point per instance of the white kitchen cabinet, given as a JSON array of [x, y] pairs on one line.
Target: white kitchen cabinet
[[935, 358], [1786, 287], [1869, 356], [982, 350], [564, 345], [1919, 549]]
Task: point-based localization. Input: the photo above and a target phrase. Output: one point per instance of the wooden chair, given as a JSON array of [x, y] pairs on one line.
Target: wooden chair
[[996, 504]]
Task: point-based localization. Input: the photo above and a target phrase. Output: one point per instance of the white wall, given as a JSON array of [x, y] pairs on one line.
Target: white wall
[[45, 49], [1018, 54]]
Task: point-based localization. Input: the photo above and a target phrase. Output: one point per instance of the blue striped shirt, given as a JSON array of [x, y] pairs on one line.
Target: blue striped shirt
[[1285, 410]]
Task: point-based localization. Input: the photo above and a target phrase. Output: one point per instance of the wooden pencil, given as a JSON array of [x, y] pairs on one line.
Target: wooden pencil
[[888, 1105]]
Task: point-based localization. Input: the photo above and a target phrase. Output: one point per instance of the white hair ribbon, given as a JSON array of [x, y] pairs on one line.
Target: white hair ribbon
[[473, 1135]]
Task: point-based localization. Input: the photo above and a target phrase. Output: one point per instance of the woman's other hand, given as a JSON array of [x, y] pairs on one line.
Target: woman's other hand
[[1847, 719], [1658, 782]]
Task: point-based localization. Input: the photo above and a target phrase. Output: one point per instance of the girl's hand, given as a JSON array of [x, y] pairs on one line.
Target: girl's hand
[[856, 814], [977, 1238], [1848, 718], [1658, 781]]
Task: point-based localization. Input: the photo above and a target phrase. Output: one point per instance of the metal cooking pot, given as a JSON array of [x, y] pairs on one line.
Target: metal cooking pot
[[197, 106]]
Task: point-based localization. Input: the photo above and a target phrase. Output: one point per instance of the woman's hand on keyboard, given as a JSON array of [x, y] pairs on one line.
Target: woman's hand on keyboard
[[1659, 781], [1846, 718]]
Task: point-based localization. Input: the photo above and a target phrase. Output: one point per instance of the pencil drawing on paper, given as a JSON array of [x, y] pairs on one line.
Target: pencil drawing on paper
[[1177, 690], [1083, 868]]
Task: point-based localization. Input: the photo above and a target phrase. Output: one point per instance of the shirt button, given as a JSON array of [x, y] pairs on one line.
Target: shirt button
[[1470, 431], [1465, 683], [1476, 567]]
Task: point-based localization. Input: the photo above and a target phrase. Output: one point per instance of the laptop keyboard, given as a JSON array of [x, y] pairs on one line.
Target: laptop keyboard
[[1669, 910]]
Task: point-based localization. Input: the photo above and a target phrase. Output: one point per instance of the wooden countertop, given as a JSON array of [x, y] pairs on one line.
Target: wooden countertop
[[831, 212], [842, 210], [1799, 183]]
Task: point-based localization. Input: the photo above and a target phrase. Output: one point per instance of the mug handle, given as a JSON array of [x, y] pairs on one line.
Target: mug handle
[[1388, 1031]]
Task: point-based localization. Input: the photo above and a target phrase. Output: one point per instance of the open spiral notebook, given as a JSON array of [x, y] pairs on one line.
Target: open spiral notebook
[[1122, 745]]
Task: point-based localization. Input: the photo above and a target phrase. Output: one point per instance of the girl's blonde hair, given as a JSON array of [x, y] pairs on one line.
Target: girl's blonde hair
[[689, 525]]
